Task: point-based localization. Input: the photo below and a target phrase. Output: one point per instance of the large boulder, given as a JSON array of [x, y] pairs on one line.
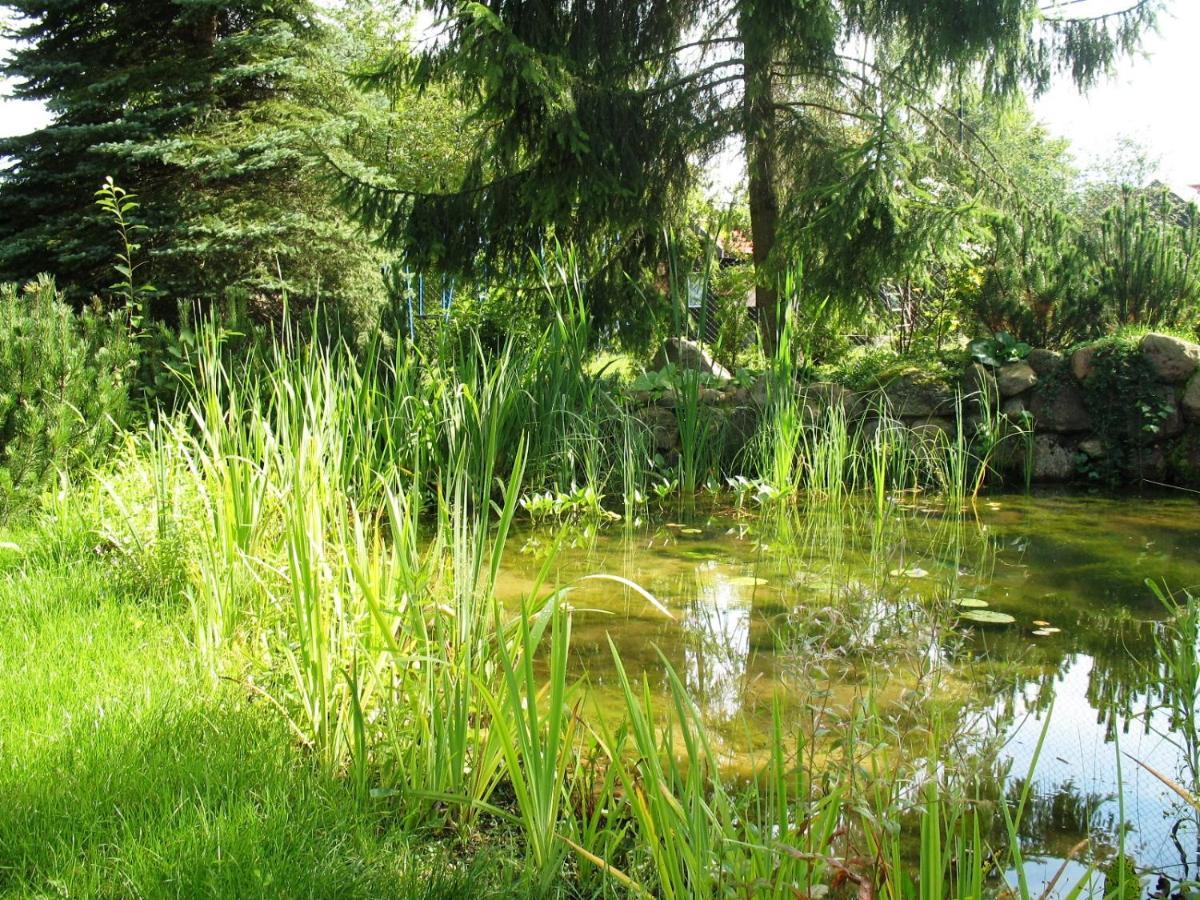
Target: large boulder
[[1044, 362], [1148, 463], [662, 426], [978, 384], [687, 354], [1053, 458], [934, 428], [1093, 447], [1083, 363], [1183, 459], [1015, 407], [1190, 400], [1059, 407], [822, 395], [1173, 360], [1015, 378], [915, 394], [1166, 419]]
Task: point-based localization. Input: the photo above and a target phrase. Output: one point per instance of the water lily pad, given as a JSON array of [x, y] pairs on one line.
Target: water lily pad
[[971, 603], [747, 581], [987, 617], [691, 531], [1046, 632], [1041, 623], [822, 586], [908, 573]]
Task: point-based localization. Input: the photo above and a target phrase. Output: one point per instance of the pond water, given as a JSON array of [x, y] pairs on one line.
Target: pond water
[[826, 605]]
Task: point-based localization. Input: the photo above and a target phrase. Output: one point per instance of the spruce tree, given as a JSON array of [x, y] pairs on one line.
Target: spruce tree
[[173, 99], [596, 114]]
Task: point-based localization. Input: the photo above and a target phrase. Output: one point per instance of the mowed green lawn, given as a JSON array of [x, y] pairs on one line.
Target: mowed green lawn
[[126, 772]]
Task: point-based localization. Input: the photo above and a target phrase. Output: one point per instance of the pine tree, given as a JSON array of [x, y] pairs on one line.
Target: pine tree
[[184, 101], [595, 114]]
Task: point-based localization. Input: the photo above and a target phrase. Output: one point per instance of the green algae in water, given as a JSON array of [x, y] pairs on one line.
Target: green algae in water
[[828, 619]]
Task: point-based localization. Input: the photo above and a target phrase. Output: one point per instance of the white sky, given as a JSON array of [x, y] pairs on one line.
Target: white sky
[[1151, 99]]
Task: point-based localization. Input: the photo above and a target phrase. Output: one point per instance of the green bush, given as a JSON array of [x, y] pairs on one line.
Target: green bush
[[1036, 283], [1147, 262], [870, 368], [63, 387], [736, 331]]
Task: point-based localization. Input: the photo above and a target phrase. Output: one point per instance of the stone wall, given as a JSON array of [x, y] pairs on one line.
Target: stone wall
[[1107, 413]]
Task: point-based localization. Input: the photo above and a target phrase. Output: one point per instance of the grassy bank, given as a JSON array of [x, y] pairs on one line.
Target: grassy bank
[[261, 651], [127, 771]]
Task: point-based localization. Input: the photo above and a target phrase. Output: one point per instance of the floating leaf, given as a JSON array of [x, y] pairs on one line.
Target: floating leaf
[[1041, 623], [987, 617], [908, 573], [691, 531], [971, 603], [747, 581], [1044, 632], [822, 586]]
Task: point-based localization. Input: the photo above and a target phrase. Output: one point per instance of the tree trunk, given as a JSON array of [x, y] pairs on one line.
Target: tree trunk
[[759, 133]]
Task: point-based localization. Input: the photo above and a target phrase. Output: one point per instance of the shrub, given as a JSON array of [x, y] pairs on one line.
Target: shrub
[[1147, 264], [735, 329], [1036, 284], [869, 368], [63, 387]]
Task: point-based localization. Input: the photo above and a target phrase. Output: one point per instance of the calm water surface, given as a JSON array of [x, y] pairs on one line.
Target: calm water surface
[[824, 606]]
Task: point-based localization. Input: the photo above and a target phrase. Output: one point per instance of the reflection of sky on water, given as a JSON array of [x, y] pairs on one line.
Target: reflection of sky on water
[[717, 643], [835, 590], [1080, 759]]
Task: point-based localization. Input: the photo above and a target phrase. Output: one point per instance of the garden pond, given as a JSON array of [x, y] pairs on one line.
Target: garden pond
[[831, 603]]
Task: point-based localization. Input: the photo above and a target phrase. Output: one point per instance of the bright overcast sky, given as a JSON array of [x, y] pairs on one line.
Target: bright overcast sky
[[1151, 99]]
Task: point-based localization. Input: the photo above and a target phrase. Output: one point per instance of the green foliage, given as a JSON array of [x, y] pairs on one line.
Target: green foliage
[[869, 368], [1121, 879], [1120, 370], [126, 82], [218, 115], [1000, 348], [120, 206], [65, 388], [1037, 281], [1147, 266], [671, 378], [734, 328], [592, 117], [1052, 282]]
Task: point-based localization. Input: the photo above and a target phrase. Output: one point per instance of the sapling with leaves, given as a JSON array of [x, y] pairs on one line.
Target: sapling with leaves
[[120, 205]]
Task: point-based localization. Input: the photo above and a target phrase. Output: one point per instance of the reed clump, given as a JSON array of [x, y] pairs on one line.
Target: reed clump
[[338, 526]]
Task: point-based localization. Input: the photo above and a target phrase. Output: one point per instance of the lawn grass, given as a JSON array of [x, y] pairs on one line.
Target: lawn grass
[[126, 771]]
